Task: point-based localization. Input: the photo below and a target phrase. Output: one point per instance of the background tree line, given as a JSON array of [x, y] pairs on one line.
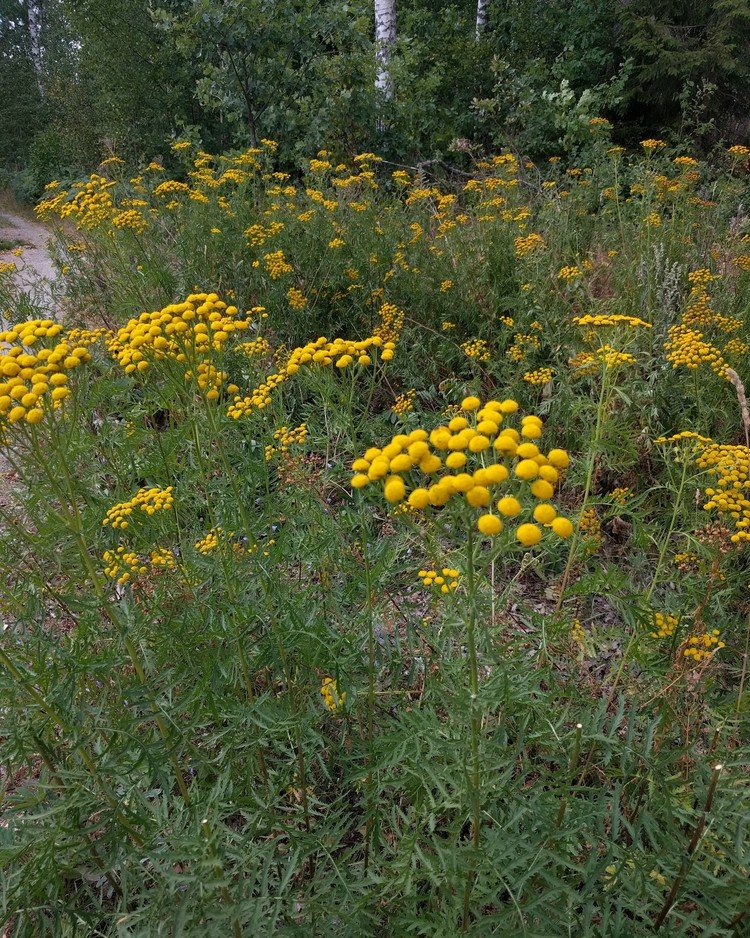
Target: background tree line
[[81, 77]]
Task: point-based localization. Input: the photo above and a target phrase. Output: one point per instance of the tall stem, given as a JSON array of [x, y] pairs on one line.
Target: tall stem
[[587, 489], [694, 841], [371, 820], [474, 723]]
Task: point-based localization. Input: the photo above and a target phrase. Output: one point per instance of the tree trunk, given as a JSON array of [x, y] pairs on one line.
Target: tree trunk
[[34, 13], [483, 12], [385, 37]]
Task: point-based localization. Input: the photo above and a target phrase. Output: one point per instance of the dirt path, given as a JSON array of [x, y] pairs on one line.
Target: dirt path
[[35, 269]]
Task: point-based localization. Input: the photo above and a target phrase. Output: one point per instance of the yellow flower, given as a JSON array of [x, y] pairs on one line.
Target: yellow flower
[[529, 534], [562, 527], [332, 698], [489, 525]]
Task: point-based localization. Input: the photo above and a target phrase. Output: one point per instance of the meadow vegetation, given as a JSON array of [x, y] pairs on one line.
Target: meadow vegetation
[[375, 549]]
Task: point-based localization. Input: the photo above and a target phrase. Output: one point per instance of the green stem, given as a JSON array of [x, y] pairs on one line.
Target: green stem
[[474, 724], [587, 489], [687, 859]]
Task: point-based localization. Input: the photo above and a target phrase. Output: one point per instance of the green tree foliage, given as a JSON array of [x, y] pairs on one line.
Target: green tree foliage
[[681, 45], [21, 110], [136, 89], [129, 74], [268, 69]]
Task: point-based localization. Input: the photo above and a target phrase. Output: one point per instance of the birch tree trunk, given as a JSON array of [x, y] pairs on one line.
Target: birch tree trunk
[[385, 37], [483, 10], [34, 16]]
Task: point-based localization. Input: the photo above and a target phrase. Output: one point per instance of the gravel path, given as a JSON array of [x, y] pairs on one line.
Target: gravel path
[[35, 273]]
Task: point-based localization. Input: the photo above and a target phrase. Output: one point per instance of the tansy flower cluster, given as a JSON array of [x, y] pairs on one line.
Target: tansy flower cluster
[[611, 357], [686, 561], [477, 349], [256, 347], [602, 320], [163, 557], [89, 203], [539, 376], [277, 265], [340, 352], [219, 537], [523, 343], [32, 379], [210, 380], [146, 500], [700, 647], [529, 244], [468, 461], [286, 438], [590, 530], [446, 580], [404, 403], [664, 625], [87, 337], [569, 274], [257, 235], [181, 331], [122, 564], [693, 341], [391, 323], [699, 313], [130, 220], [688, 348], [730, 465], [329, 691], [296, 298]]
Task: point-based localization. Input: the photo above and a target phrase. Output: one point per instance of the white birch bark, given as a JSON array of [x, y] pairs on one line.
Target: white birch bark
[[483, 11], [385, 37], [34, 16]]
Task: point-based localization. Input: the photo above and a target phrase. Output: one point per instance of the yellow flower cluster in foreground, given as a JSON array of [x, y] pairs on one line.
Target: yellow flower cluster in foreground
[[146, 500], [473, 458], [33, 379], [182, 331]]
